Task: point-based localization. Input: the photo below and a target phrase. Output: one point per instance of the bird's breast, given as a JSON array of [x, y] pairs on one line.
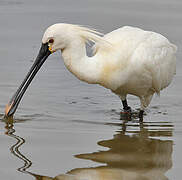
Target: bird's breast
[[111, 75]]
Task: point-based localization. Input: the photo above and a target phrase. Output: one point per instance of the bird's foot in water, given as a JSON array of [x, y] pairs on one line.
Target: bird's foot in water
[[126, 113], [127, 109]]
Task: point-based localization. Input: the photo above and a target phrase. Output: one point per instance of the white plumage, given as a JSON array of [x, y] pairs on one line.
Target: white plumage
[[127, 60]]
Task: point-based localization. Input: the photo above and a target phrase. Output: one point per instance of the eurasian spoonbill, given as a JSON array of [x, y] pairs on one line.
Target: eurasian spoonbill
[[127, 60]]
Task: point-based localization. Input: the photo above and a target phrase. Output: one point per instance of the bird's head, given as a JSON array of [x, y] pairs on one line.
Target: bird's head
[[53, 39], [58, 36]]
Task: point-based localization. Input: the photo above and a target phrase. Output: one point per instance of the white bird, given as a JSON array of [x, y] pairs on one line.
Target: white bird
[[128, 60]]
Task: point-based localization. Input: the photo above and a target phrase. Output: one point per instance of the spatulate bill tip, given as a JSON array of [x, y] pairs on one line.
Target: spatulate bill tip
[[7, 109]]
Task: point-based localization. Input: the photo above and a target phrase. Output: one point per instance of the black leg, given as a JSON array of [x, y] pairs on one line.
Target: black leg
[[141, 115], [125, 106], [126, 115]]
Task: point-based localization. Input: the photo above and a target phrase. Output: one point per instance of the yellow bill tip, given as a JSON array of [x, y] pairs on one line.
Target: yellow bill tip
[[7, 109]]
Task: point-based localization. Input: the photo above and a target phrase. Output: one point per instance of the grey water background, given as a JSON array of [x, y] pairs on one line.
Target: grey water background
[[64, 126]]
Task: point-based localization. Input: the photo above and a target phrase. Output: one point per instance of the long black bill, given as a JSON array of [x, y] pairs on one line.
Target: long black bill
[[15, 100]]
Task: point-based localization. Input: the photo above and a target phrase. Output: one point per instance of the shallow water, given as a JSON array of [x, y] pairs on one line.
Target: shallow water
[[72, 130]]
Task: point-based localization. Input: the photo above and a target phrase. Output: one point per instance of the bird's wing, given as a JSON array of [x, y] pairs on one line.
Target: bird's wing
[[121, 40], [157, 55]]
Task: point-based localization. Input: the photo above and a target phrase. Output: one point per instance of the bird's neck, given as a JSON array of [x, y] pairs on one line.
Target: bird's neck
[[77, 62]]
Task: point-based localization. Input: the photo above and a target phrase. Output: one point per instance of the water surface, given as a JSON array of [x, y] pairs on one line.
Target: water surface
[[68, 129]]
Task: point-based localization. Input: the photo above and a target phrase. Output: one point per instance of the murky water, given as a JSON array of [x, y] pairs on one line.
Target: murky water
[[72, 130]]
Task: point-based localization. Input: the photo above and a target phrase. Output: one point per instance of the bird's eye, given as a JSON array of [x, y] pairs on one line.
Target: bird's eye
[[51, 41]]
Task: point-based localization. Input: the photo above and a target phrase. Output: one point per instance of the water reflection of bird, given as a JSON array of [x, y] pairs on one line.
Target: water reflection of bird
[[132, 154], [15, 148], [127, 60], [10, 131]]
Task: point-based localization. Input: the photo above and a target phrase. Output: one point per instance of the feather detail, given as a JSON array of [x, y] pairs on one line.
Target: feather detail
[[91, 35]]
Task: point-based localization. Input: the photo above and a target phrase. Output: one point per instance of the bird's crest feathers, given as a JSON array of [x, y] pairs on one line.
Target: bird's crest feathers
[[91, 35]]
